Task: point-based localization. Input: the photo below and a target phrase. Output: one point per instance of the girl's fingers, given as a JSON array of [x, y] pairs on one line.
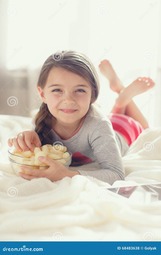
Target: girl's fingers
[[25, 141], [46, 160], [10, 142], [31, 144], [16, 144], [21, 142], [27, 177], [32, 172]]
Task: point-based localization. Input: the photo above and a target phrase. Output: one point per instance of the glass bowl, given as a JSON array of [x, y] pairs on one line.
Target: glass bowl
[[17, 161]]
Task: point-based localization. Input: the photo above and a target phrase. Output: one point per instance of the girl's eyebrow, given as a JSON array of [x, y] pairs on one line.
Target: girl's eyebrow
[[79, 85], [52, 85], [82, 85]]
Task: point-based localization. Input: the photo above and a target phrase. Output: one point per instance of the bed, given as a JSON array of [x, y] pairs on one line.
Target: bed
[[81, 208]]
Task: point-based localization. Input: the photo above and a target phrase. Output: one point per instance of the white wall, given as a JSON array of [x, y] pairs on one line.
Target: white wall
[[124, 31]]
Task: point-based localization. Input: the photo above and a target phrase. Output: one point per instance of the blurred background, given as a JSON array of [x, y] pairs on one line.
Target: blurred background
[[127, 32]]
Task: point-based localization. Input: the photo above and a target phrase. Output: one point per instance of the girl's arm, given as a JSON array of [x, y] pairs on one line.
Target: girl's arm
[[107, 154]]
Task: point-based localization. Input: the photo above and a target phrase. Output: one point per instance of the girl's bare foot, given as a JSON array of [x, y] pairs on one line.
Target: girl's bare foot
[[139, 86], [109, 73]]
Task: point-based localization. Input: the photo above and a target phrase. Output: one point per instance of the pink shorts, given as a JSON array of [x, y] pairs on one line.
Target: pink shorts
[[129, 128]]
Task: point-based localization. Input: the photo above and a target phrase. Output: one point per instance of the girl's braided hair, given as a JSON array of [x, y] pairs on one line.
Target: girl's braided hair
[[71, 61]]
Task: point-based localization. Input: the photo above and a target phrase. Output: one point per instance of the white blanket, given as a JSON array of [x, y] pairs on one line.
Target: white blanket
[[80, 208]]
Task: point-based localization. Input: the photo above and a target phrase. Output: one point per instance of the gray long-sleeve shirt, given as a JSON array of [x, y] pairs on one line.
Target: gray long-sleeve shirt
[[97, 142]]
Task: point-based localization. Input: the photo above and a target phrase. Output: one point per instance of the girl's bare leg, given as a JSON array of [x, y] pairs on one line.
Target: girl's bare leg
[[109, 73], [124, 103]]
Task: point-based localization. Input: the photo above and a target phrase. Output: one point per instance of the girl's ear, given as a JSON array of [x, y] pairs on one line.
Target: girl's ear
[[41, 93], [93, 99]]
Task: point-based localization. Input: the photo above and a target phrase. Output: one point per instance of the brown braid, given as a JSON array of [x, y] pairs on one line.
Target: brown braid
[[43, 124]]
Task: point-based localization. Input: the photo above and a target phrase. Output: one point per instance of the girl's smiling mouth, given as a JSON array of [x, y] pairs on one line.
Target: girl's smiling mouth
[[68, 110]]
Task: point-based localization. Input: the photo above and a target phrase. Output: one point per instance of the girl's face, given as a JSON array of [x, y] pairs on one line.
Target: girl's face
[[67, 95]]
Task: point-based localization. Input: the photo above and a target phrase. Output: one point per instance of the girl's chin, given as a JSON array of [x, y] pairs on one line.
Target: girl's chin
[[67, 120]]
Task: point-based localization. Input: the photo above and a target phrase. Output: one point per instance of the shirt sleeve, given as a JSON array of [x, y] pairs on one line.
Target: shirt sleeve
[[106, 152]]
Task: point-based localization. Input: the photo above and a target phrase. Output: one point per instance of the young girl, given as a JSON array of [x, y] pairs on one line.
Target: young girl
[[68, 86]]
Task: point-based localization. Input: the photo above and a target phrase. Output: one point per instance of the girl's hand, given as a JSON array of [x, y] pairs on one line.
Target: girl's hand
[[55, 172], [25, 141]]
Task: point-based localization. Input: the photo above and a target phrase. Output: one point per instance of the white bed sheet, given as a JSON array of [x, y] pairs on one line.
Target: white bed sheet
[[80, 208]]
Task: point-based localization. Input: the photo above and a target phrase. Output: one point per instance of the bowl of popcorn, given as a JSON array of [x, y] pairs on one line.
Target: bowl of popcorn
[[56, 152]]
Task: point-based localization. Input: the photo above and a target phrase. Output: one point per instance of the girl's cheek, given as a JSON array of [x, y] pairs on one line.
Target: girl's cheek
[[53, 97]]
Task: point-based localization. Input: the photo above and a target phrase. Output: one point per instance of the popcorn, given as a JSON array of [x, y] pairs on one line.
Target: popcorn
[[56, 152]]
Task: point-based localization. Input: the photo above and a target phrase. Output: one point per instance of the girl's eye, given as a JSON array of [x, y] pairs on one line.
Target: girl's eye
[[57, 90], [81, 91]]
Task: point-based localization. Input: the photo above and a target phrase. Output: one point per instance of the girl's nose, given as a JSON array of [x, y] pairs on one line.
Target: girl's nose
[[68, 98]]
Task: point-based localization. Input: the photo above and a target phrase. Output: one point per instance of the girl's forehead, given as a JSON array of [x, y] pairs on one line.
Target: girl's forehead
[[59, 75]]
